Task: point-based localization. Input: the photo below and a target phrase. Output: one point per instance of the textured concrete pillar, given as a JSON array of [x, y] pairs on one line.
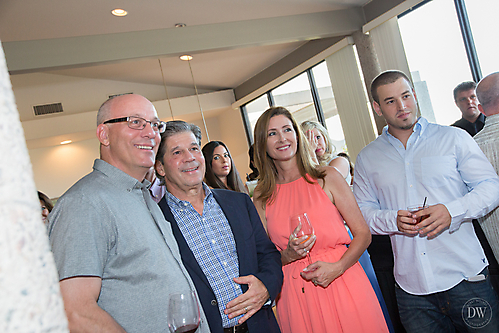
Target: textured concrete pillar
[[30, 299], [351, 99], [370, 68]]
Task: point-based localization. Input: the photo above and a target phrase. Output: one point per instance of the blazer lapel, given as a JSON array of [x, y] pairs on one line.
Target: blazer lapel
[[188, 258], [233, 213]]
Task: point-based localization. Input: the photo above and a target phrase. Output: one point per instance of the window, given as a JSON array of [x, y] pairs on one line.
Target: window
[[436, 56], [254, 110], [325, 91], [295, 95], [482, 15]]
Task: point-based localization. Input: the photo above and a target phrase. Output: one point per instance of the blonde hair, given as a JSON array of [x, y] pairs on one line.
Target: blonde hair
[[265, 164], [330, 148]]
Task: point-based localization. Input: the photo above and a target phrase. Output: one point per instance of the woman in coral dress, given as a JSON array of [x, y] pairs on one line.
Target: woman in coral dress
[[328, 290]]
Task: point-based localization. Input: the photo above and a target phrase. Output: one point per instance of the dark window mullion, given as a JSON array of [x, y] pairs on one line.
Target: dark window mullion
[[270, 98], [469, 43], [315, 97], [247, 125]]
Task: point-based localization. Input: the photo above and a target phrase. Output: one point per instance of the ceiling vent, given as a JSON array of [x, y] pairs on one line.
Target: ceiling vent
[[47, 109], [112, 96]]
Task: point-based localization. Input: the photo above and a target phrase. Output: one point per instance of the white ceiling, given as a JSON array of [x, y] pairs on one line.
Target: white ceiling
[[28, 28]]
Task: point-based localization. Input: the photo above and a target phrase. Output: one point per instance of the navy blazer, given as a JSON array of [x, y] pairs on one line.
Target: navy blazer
[[256, 253]]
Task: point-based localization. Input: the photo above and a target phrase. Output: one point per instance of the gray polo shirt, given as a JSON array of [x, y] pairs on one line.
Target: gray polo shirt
[[106, 225]]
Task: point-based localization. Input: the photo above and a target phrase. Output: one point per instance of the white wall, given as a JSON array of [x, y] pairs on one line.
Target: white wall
[[55, 169]]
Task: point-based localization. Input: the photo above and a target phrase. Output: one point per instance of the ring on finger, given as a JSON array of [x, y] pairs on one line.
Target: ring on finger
[[245, 309]]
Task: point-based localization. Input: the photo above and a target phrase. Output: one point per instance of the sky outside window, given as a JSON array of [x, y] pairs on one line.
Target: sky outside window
[[434, 47], [483, 15]]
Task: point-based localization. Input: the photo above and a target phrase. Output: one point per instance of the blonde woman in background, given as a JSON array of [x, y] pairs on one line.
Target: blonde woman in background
[[321, 145]]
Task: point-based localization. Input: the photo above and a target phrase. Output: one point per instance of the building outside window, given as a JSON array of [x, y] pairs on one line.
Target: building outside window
[[436, 52]]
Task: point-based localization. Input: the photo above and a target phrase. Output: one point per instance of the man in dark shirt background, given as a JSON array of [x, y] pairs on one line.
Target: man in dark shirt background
[[472, 119]]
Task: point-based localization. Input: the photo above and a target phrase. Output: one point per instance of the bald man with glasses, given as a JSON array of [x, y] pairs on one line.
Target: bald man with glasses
[[117, 259]]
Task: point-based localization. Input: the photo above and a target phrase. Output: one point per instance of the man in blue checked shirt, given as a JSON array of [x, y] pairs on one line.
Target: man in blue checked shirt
[[442, 280], [234, 265]]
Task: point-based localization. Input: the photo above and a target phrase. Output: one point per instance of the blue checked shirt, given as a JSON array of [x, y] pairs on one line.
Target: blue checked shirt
[[211, 241]]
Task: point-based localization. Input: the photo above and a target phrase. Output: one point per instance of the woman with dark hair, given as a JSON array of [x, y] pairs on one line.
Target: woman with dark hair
[[325, 289], [46, 205], [220, 169], [252, 178]]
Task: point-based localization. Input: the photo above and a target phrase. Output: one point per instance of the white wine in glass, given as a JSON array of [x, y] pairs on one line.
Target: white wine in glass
[[305, 228], [183, 313]]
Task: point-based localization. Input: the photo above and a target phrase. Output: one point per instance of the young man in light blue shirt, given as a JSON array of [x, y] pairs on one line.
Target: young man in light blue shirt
[[440, 267]]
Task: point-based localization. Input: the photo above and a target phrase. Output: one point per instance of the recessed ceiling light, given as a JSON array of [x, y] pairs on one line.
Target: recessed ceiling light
[[66, 142], [180, 25], [185, 57], [119, 12]]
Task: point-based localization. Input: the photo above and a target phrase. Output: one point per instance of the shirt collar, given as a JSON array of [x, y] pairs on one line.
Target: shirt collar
[[171, 199], [419, 128], [119, 178], [481, 118]]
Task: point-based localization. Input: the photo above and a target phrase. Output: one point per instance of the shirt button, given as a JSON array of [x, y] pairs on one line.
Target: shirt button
[[213, 241], [410, 185], [408, 163], [185, 203], [214, 302], [225, 263]]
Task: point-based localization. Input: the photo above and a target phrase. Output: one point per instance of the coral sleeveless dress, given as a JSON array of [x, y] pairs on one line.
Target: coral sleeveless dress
[[349, 303]]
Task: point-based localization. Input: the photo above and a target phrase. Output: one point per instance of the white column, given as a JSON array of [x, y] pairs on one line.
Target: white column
[[30, 299], [389, 47], [351, 99]]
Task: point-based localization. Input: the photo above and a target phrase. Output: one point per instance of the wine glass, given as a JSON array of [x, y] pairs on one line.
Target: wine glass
[[183, 313], [305, 228]]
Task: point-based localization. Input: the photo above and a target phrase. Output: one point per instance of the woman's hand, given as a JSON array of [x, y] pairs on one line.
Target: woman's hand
[[297, 247], [322, 273], [312, 140]]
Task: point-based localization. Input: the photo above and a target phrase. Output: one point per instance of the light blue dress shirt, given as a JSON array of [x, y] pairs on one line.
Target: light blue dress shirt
[[210, 238], [445, 165]]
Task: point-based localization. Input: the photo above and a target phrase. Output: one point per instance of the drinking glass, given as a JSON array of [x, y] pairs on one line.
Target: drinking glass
[[416, 208], [305, 228], [183, 313]]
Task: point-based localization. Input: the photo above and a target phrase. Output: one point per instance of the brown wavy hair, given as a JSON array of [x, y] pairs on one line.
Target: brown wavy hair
[[265, 164], [234, 182]]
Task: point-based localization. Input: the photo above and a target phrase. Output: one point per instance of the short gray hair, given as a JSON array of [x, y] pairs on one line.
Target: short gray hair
[[174, 127]]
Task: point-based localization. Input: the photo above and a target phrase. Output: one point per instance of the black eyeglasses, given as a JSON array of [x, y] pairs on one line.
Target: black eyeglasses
[[139, 123]]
